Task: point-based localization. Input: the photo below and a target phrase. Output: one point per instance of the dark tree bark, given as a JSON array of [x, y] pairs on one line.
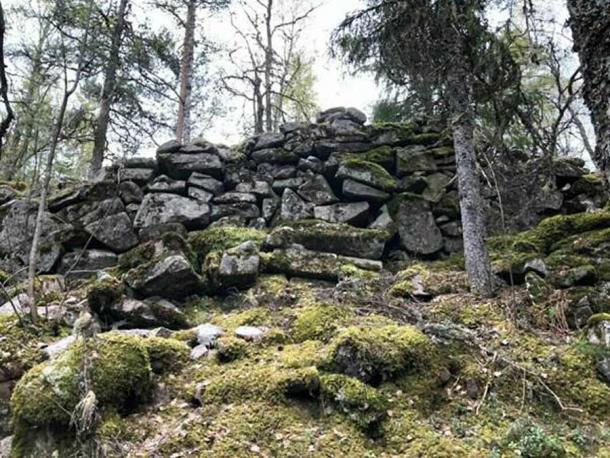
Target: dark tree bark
[[590, 23], [183, 125], [473, 225], [10, 116], [108, 92], [268, 67]]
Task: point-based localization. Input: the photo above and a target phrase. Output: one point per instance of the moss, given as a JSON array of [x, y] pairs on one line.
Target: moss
[[252, 317], [4, 276], [351, 272], [231, 349], [305, 354], [378, 175], [20, 186], [552, 230], [103, 293], [378, 354], [119, 371], [362, 404], [166, 355], [251, 381], [598, 318], [222, 239], [20, 345], [383, 156], [318, 322], [422, 278]]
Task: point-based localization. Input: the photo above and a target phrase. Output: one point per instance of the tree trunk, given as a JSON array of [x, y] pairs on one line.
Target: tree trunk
[[108, 91], [183, 126], [268, 68], [473, 226], [590, 23], [10, 116]]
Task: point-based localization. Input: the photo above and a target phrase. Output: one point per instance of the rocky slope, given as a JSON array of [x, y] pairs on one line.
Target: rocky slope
[[179, 327]]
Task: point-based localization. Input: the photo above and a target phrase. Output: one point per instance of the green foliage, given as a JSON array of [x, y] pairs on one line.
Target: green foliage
[[531, 441]]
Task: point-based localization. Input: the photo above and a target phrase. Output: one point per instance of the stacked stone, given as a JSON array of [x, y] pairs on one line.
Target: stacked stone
[[398, 178]]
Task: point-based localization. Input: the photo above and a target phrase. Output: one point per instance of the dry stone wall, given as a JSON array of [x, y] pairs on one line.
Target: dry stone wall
[[396, 178]]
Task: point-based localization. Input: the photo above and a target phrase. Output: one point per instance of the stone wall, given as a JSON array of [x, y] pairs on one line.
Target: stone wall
[[399, 178]]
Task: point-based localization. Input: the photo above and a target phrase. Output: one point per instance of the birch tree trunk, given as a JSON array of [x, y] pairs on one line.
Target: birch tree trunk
[[183, 126], [590, 23], [108, 91], [473, 226]]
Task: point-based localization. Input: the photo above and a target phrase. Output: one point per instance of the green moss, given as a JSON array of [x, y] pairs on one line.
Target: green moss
[[305, 354], [318, 322], [252, 317], [231, 349], [223, 238], [351, 272], [362, 404], [4, 276], [379, 176], [598, 318], [378, 354], [119, 372], [423, 278], [20, 347], [166, 355], [383, 156], [103, 293], [252, 381], [20, 186]]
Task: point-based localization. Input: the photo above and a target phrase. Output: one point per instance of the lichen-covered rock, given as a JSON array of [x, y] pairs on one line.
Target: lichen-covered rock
[[171, 277], [294, 207], [86, 263], [355, 213], [223, 238], [164, 208], [355, 190], [333, 238], [599, 329], [180, 165], [317, 191], [417, 228], [150, 313], [368, 173]]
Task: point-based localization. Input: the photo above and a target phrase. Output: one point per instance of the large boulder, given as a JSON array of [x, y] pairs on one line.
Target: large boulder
[[333, 238], [416, 226], [170, 276], [356, 213], [170, 208], [114, 231], [293, 207], [181, 165]]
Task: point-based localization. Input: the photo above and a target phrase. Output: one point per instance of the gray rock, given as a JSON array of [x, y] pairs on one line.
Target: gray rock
[[288, 183], [172, 277], [235, 198], [603, 369], [311, 164], [59, 347], [351, 213], [359, 191], [536, 265], [293, 207], [171, 208], [86, 264], [260, 189], [140, 176], [250, 333], [240, 210], [317, 191], [206, 182], [384, 221], [198, 352], [130, 193], [269, 208], [159, 230], [417, 228], [6, 193], [229, 155], [274, 156], [368, 173], [412, 159], [165, 184], [452, 229], [436, 185], [115, 232], [599, 333], [180, 165], [208, 334], [139, 162], [332, 238], [269, 140], [171, 146], [275, 171], [356, 115], [6, 446], [238, 271], [200, 147], [200, 195]]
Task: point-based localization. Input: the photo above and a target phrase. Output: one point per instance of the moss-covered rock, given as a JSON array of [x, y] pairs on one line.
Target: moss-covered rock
[[368, 173], [421, 281], [166, 355], [382, 155], [230, 348], [119, 371], [377, 354], [219, 239], [361, 403], [102, 294]]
